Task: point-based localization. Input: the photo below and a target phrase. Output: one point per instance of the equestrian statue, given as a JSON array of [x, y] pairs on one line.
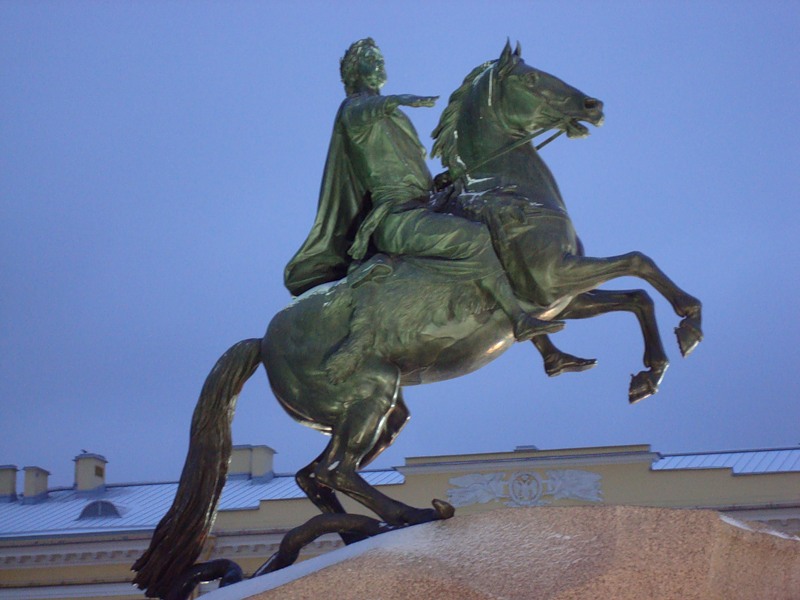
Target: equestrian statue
[[408, 279]]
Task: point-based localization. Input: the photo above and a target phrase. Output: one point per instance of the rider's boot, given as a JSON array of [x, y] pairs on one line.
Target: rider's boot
[[557, 362]]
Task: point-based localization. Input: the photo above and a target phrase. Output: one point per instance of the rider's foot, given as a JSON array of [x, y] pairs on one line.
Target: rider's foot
[[527, 327], [561, 362]]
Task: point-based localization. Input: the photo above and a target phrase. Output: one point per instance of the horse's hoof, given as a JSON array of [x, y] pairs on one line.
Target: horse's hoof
[[689, 335], [224, 569], [644, 384], [688, 306], [416, 516], [566, 363], [444, 509]]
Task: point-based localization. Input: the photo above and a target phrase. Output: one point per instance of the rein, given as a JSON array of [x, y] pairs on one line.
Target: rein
[[520, 142]]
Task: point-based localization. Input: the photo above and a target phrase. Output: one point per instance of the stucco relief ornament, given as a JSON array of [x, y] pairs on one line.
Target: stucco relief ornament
[[525, 488], [408, 279]]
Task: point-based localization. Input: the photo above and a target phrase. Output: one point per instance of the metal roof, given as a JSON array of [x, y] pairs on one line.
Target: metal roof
[[741, 462], [141, 506]]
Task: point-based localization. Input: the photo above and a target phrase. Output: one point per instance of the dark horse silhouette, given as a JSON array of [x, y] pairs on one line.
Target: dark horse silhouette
[[425, 322]]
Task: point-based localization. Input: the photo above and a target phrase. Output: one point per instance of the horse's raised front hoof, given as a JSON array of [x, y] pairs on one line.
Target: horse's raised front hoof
[[688, 306], [644, 384], [444, 509], [566, 363], [689, 335]]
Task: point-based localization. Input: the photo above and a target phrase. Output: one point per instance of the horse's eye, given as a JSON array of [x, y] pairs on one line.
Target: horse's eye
[[532, 78]]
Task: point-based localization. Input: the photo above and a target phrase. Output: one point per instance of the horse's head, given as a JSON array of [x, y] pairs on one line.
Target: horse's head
[[502, 99], [526, 99]]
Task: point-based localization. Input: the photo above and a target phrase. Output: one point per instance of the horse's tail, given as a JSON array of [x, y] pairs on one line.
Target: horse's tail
[[180, 535]]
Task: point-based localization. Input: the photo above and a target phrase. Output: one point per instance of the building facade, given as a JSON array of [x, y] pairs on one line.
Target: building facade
[[79, 542]]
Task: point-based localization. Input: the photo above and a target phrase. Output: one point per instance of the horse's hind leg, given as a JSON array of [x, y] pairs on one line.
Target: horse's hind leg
[[323, 497], [395, 421], [590, 304], [357, 437], [575, 274]]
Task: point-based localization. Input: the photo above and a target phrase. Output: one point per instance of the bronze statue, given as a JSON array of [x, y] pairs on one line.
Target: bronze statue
[[339, 355], [375, 196]]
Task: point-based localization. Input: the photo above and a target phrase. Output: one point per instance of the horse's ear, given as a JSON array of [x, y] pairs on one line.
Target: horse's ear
[[506, 53], [518, 50], [507, 59]]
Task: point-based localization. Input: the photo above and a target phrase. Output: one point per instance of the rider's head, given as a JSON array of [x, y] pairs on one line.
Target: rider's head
[[362, 67]]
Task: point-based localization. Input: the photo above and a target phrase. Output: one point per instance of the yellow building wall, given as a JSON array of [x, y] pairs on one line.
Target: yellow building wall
[[250, 536]]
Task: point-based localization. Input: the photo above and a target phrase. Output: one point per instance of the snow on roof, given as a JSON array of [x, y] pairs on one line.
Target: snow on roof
[[141, 506]]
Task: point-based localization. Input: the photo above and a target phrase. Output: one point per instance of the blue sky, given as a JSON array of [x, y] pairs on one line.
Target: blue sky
[[160, 163]]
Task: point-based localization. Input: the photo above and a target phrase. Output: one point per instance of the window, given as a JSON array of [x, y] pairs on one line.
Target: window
[[99, 508]]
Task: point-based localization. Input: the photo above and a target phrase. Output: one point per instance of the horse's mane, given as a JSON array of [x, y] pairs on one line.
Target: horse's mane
[[445, 136]]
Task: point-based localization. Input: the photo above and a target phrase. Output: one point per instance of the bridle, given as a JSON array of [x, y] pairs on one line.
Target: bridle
[[520, 142]]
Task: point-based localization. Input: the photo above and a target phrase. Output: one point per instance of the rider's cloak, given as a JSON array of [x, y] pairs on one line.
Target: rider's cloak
[[343, 206]]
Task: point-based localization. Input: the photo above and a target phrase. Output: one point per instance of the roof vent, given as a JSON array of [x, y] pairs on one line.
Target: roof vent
[[90, 472], [99, 509], [35, 485], [8, 483], [252, 462]]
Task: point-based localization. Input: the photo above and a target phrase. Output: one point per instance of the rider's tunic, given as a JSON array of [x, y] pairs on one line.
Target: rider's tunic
[[374, 190]]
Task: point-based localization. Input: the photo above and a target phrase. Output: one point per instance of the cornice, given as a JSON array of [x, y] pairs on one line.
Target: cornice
[[249, 545], [107, 552], [93, 590], [123, 550], [530, 462]]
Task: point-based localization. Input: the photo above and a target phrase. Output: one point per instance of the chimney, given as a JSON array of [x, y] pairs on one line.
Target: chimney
[[35, 485], [8, 483], [252, 462], [90, 472]]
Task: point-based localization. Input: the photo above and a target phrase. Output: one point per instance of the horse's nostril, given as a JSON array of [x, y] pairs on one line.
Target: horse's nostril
[[591, 103]]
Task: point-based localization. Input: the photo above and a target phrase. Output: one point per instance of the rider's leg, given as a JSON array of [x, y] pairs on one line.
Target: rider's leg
[[421, 232]]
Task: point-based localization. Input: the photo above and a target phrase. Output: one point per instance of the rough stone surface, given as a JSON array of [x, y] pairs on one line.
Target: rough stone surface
[[539, 553]]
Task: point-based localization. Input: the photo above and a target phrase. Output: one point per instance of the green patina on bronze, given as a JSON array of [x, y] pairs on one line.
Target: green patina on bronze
[[375, 197], [415, 288]]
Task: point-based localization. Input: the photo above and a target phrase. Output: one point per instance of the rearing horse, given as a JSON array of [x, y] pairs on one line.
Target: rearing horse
[[338, 356], [482, 139]]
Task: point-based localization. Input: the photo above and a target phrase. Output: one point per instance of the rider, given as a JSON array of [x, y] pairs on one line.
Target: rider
[[374, 197]]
